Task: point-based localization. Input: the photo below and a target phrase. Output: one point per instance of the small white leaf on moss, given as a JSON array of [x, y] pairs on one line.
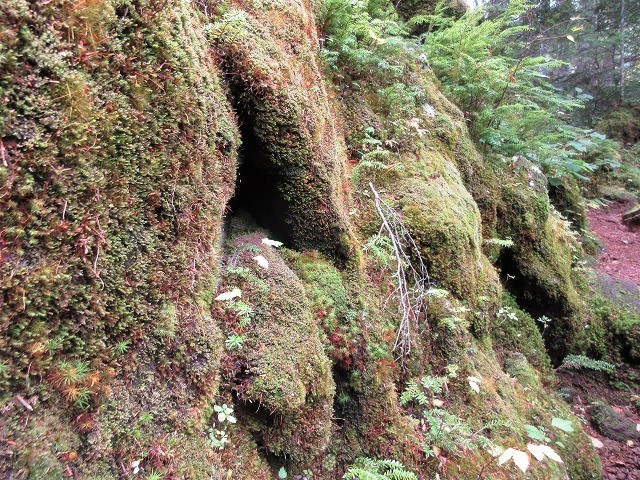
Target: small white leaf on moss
[[223, 297], [263, 262], [474, 383], [536, 451], [506, 455], [551, 453], [571, 39], [495, 450], [521, 459], [272, 243]]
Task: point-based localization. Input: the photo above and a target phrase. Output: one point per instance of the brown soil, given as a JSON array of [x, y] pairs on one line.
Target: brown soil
[[620, 460], [619, 274], [620, 256]]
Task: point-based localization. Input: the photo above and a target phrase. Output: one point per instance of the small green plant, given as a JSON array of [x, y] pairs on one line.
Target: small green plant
[[225, 413], [71, 373], [372, 469], [429, 386], [506, 243], [243, 311], [83, 399], [235, 342], [562, 424], [578, 362], [451, 433], [218, 437], [154, 475], [537, 433], [282, 473], [506, 313], [122, 347], [242, 272], [145, 418]]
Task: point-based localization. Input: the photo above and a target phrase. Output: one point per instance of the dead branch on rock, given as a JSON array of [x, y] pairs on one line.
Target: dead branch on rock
[[410, 276]]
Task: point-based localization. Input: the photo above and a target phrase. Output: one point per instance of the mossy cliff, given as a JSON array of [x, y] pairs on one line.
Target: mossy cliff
[[149, 147]]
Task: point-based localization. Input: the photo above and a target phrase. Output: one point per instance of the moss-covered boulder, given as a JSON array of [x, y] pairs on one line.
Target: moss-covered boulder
[[284, 385], [611, 423], [291, 160]]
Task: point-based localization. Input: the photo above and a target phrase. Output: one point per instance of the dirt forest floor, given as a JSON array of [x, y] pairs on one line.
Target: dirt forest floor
[[620, 256], [619, 268]]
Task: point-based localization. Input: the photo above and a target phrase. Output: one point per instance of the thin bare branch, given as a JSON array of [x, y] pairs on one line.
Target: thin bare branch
[[410, 276]]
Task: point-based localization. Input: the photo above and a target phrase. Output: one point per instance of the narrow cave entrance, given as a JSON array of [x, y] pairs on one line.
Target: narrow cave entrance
[[258, 201], [535, 299]]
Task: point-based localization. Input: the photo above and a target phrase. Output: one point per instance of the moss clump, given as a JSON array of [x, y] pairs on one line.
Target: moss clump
[[611, 424], [104, 203], [119, 147], [540, 264], [516, 332], [568, 200], [614, 330], [286, 374], [281, 100], [622, 124]]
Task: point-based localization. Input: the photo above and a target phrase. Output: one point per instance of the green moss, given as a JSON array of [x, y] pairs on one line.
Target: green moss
[[622, 124], [288, 375], [516, 332], [279, 97], [614, 330], [540, 264]]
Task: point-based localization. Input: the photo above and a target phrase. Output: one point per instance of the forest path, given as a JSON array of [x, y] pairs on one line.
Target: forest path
[[620, 256], [618, 266]]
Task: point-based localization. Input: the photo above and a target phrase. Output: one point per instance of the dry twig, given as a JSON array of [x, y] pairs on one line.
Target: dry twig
[[410, 276]]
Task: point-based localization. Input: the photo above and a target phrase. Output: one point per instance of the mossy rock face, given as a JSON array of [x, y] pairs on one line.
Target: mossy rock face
[[622, 124], [515, 332], [538, 268], [426, 188], [632, 217], [611, 423], [286, 375], [111, 190], [287, 124], [566, 197]]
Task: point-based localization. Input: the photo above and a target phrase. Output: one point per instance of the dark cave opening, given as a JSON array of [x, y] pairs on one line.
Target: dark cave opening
[[258, 201], [536, 301]]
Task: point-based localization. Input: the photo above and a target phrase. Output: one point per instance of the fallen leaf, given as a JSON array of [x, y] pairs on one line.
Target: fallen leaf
[[436, 402], [272, 243], [263, 262], [571, 39], [521, 459], [536, 451], [551, 453], [474, 383], [596, 443], [236, 292], [506, 455], [541, 451]]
